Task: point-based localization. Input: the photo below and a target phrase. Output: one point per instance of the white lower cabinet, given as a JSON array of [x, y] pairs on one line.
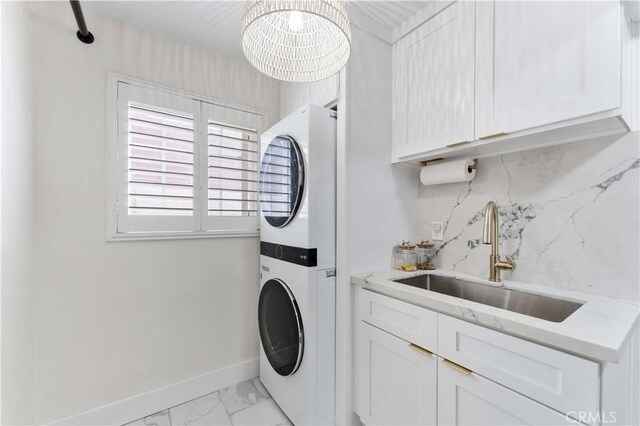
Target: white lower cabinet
[[469, 399], [400, 383], [562, 381], [396, 380], [448, 371]]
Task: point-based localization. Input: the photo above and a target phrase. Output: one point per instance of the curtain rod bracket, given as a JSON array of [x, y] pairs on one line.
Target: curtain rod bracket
[[84, 35]]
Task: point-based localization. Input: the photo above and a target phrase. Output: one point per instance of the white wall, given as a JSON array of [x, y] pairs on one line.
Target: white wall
[[323, 93], [377, 201], [117, 319], [16, 227]]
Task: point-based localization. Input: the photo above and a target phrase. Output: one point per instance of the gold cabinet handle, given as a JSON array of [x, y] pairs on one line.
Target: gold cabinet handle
[[420, 349], [496, 135], [453, 145], [455, 366]]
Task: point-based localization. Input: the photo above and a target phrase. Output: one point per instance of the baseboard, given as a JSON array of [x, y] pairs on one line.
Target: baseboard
[[138, 406]]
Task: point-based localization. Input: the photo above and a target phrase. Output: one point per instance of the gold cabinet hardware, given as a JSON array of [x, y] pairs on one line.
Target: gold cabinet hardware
[[427, 162], [624, 123], [420, 349], [497, 135], [455, 366], [453, 145]]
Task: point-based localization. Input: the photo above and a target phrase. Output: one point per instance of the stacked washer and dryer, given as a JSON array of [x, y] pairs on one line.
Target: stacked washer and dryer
[[296, 308]]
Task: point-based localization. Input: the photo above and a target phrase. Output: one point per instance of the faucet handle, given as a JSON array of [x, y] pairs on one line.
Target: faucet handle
[[509, 264]]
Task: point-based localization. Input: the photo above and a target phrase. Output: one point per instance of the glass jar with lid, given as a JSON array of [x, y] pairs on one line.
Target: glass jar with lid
[[425, 252], [404, 257]]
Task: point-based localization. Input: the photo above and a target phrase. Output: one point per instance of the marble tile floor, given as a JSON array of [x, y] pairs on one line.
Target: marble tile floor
[[247, 403]]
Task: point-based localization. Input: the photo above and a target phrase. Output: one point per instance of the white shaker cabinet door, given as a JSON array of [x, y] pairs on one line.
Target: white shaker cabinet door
[[433, 83], [469, 399], [542, 62], [396, 382]]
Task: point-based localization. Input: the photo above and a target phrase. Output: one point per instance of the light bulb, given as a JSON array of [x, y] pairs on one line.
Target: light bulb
[[295, 21]]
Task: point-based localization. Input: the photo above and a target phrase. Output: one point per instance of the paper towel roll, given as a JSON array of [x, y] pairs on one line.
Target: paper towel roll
[[448, 172]]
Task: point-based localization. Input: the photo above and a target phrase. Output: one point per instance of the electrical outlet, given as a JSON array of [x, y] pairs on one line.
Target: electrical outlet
[[437, 231]]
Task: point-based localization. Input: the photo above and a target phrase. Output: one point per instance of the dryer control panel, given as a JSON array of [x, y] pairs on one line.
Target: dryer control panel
[[298, 255]]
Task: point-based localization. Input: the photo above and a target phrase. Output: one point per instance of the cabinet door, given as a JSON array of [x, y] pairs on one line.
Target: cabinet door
[[396, 382], [469, 399], [557, 379], [433, 83], [541, 62]]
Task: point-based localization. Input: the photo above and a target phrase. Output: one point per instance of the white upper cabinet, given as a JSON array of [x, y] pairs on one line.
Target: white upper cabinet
[[542, 62], [490, 77], [433, 82]]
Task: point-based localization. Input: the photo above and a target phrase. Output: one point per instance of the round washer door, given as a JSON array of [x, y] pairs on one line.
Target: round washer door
[[281, 183], [280, 325]]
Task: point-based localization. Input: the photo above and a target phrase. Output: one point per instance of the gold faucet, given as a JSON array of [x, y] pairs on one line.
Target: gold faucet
[[490, 236]]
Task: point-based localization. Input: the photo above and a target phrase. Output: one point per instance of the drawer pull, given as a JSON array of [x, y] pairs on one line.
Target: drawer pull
[[420, 349], [497, 135], [455, 366], [453, 145]]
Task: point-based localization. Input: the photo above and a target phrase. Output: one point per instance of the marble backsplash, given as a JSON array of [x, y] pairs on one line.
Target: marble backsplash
[[569, 216]]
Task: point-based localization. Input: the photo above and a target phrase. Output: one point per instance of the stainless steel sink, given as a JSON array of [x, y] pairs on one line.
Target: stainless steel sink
[[533, 305]]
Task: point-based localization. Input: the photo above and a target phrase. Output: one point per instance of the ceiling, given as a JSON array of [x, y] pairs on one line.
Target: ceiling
[[389, 14], [215, 25]]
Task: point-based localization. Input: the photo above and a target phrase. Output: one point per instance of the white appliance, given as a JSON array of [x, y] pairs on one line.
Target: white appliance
[[296, 316], [296, 309], [297, 183]]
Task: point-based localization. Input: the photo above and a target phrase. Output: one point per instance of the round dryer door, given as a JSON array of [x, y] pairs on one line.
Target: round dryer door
[[280, 327], [281, 181]]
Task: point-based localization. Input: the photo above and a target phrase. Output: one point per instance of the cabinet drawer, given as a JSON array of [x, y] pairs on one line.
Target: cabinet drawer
[[408, 322], [469, 399], [559, 380]]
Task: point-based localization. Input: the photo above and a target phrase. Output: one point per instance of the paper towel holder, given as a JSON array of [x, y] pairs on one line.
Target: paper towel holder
[[473, 166], [435, 160]]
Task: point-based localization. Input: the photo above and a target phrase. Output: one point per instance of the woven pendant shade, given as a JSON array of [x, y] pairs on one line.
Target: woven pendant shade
[[296, 40]]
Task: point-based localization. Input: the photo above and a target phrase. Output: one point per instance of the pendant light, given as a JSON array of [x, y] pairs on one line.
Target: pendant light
[[296, 40]]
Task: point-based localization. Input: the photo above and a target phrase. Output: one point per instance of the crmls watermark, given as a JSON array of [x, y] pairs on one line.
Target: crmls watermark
[[599, 417]]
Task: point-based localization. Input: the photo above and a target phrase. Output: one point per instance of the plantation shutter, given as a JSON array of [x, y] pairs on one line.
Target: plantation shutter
[[182, 166], [232, 168], [157, 161]]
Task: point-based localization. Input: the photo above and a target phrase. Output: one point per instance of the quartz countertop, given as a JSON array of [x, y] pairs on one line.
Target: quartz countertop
[[599, 329]]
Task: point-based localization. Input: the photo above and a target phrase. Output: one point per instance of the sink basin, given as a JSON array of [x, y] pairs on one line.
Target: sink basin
[[533, 305]]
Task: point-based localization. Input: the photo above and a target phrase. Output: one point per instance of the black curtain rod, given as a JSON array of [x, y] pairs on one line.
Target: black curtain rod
[[83, 33]]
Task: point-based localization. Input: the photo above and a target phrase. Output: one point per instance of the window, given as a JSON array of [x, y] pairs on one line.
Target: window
[[180, 166]]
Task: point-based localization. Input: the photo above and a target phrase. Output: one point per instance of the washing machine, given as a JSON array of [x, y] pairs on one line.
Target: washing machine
[[296, 308], [296, 319], [297, 183]]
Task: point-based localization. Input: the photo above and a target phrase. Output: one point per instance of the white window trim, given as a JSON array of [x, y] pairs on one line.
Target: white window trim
[[112, 233]]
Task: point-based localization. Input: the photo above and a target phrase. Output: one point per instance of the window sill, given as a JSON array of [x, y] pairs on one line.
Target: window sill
[[152, 236]]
